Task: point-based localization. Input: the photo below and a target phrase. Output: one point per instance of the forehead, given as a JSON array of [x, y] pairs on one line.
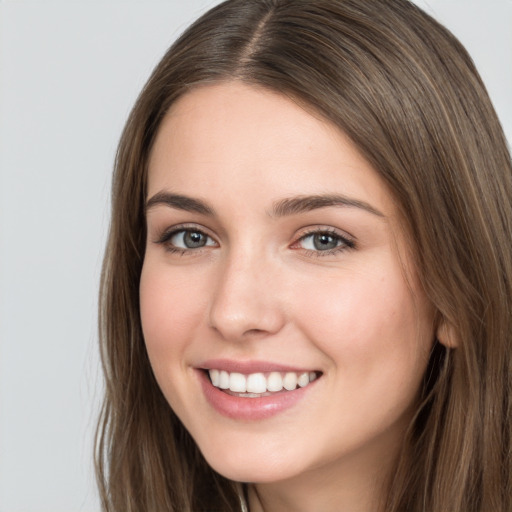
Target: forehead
[[251, 140]]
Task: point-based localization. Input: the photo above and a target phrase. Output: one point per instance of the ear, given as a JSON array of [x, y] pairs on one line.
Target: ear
[[445, 334]]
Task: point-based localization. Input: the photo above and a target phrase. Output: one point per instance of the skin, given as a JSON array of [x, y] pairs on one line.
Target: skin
[[260, 290]]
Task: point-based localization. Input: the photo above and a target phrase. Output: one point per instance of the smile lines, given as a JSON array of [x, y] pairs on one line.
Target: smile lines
[[256, 384]]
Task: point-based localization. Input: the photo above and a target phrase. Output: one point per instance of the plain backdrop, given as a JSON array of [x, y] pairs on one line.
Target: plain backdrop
[[70, 71]]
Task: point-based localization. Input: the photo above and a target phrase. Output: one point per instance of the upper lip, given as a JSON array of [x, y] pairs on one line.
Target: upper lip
[[248, 367]]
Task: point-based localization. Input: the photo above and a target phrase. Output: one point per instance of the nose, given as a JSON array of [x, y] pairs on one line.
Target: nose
[[246, 302]]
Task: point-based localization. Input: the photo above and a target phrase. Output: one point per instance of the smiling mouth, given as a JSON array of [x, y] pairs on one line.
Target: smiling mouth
[[257, 385]]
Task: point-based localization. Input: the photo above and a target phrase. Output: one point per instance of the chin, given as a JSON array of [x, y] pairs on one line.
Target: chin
[[260, 468], [251, 474]]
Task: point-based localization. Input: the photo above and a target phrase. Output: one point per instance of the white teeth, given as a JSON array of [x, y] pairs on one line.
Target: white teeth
[[257, 383], [223, 380], [290, 381], [238, 383], [274, 382], [214, 376], [303, 379]]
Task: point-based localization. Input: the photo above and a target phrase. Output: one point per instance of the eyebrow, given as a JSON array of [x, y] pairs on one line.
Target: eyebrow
[[180, 202], [282, 208], [302, 204]]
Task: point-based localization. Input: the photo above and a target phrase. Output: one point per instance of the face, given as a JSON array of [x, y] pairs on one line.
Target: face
[[281, 314]]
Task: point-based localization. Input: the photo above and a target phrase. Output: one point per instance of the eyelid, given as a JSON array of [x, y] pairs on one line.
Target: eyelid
[[348, 241], [171, 231]]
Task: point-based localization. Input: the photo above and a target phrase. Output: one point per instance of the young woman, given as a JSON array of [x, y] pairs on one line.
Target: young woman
[[306, 293]]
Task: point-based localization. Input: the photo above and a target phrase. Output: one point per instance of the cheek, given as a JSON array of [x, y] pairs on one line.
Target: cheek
[[369, 324], [377, 336], [170, 312]]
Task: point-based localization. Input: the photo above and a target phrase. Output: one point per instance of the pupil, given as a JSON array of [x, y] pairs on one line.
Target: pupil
[[194, 239], [324, 242]]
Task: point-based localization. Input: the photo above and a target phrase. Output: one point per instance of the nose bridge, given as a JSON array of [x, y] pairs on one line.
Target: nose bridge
[[246, 300]]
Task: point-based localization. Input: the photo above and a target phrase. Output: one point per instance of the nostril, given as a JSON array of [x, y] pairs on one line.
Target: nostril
[[254, 332]]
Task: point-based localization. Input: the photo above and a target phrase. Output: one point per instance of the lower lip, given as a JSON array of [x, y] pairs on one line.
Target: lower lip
[[250, 409]]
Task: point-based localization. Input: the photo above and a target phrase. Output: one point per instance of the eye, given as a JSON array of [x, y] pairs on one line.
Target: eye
[[183, 240], [190, 239], [324, 241]]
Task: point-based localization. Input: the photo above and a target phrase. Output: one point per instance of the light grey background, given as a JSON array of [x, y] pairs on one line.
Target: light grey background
[[70, 71]]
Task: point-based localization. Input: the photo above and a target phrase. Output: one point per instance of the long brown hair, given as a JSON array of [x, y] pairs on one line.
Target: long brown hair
[[408, 95]]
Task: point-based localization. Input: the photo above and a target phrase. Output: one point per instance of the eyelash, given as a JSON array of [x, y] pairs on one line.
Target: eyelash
[[344, 243], [166, 236]]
